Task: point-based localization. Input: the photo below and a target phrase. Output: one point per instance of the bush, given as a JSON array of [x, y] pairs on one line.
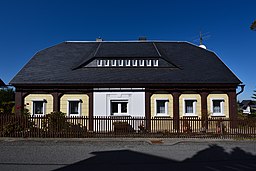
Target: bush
[[56, 121], [12, 125]]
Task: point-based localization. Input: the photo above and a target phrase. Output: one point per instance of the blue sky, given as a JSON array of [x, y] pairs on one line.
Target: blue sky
[[28, 26]]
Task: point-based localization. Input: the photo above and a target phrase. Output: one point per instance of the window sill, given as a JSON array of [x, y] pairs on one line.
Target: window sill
[[119, 114], [74, 115], [189, 114], [162, 115], [38, 114], [218, 115]]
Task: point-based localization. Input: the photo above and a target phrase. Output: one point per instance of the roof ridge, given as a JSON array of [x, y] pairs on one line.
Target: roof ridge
[[97, 49], [126, 41], [91, 56], [157, 49]]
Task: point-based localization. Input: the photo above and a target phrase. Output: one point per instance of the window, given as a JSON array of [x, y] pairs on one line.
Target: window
[[148, 62], [120, 63], [99, 62], [189, 107], [141, 62], [217, 107], [113, 62], [161, 107], [74, 107], [106, 62], [134, 62], [155, 63], [119, 107], [127, 63], [38, 107]]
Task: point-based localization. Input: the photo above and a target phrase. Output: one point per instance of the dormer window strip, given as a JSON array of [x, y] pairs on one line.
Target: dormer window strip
[[127, 63]]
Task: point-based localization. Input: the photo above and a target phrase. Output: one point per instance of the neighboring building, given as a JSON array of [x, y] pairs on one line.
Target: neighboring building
[[151, 79], [248, 106], [1, 83]]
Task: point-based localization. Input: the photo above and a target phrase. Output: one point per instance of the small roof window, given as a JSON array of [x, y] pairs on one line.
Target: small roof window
[[127, 63]]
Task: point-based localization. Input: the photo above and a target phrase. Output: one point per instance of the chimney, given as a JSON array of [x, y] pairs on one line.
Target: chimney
[[143, 39], [99, 39]]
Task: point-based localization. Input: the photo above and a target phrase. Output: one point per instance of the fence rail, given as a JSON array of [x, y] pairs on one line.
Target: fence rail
[[161, 127]]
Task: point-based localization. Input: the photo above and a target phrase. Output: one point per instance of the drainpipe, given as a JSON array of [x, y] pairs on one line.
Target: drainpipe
[[242, 89]]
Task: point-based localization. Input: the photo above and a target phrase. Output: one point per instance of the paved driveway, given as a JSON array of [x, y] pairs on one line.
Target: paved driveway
[[126, 154]]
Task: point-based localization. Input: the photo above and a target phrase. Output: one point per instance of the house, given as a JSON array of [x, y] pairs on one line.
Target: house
[[127, 78], [248, 106], [1, 83]]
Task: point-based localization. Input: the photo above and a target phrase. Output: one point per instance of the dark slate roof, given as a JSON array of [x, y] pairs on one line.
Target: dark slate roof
[[63, 64], [246, 103]]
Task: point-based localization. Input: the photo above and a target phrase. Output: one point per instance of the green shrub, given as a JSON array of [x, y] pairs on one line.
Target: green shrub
[[56, 121], [12, 125]]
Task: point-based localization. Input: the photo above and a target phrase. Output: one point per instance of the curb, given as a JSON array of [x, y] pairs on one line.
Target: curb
[[151, 141]]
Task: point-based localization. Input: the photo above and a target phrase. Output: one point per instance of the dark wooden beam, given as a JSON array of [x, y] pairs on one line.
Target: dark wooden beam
[[90, 94], [176, 111], [148, 95], [155, 86], [232, 108], [19, 102], [56, 101], [204, 111]]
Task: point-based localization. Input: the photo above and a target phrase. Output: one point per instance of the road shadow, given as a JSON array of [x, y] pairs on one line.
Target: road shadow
[[213, 158]]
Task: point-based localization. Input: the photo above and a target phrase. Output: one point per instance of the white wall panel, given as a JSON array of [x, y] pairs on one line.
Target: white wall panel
[[101, 102]]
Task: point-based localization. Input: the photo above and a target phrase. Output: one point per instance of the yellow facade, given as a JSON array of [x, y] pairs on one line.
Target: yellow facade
[[84, 103], [218, 96], [155, 97], [196, 97], [33, 97]]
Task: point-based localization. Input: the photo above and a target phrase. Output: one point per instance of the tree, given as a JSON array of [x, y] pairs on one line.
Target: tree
[[253, 26], [7, 98]]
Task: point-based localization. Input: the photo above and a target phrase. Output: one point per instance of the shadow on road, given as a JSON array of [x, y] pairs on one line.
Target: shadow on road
[[213, 158]]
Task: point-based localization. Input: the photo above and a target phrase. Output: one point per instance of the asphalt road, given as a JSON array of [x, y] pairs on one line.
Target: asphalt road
[[126, 154]]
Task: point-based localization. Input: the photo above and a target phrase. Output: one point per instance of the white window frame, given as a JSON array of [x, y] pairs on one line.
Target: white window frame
[[44, 107], [127, 62], [134, 62], [113, 62], [141, 62], [99, 62], [221, 107], [79, 107], [149, 62], [194, 107], [166, 106], [106, 63], [155, 62], [120, 62], [119, 113]]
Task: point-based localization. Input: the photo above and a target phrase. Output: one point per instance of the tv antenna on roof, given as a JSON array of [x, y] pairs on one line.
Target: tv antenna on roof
[[201, 38]]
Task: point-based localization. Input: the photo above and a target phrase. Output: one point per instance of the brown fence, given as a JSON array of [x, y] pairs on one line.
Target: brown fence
[[82, 127]]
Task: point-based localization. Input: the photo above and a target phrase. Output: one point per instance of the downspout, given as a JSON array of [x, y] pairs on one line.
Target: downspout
[[242, 89]]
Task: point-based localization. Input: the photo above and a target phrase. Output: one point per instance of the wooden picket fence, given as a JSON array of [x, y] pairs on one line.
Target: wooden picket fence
[[100, 127]]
